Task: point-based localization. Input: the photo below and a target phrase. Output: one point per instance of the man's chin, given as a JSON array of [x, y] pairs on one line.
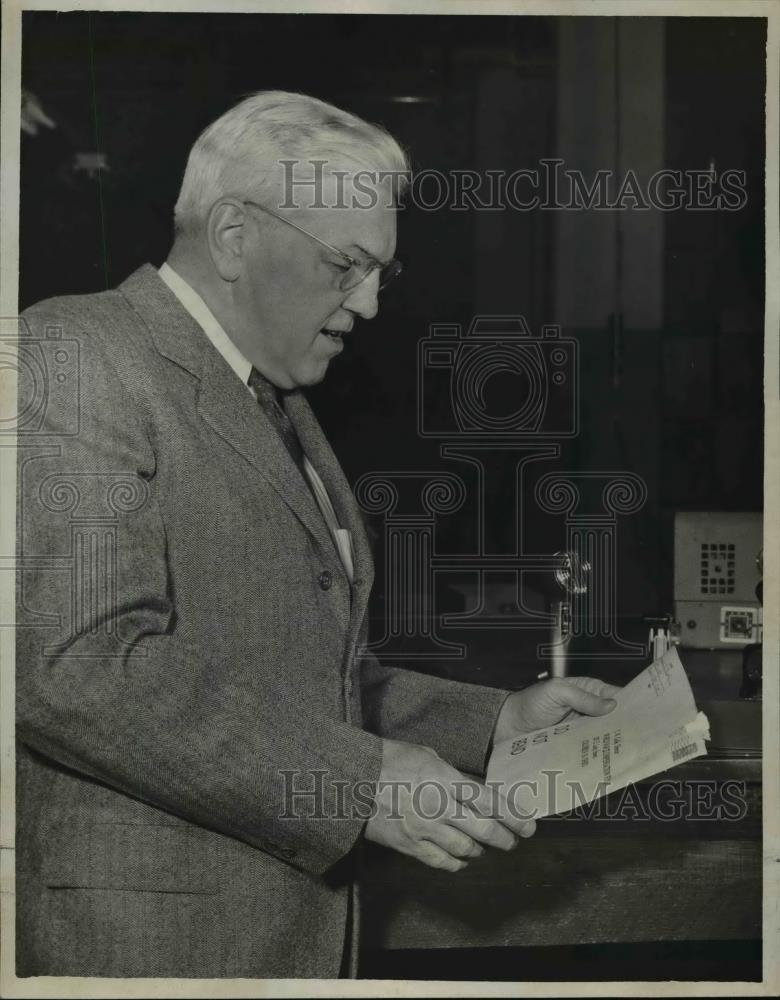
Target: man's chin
[[313, 375]]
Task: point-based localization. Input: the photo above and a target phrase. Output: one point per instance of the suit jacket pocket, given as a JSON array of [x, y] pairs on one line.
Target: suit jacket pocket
[[132, 857]]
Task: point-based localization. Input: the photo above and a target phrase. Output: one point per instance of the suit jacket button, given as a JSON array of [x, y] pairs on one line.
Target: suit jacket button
[[326, 579]]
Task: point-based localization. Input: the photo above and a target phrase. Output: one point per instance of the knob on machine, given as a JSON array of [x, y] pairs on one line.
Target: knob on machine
[[571, 577]]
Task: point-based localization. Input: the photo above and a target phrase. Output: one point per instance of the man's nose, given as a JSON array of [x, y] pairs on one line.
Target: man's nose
[[363, 299]]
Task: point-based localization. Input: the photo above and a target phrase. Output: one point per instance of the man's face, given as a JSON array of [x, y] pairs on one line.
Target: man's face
[[288, 292]]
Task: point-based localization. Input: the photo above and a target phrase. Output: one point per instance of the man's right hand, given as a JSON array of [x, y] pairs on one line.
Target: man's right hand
[[425, 808]]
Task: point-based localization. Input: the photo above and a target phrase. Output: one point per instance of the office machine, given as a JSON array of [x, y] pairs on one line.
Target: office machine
[[716, 574]]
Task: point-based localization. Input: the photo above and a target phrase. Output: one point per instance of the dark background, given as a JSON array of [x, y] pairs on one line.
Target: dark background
[[667, 307]]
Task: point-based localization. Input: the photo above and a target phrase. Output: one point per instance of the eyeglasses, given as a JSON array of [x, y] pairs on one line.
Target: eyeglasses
[[355, 271]]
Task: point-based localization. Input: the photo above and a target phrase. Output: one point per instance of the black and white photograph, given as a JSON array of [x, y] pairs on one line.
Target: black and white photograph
[[390, 403]]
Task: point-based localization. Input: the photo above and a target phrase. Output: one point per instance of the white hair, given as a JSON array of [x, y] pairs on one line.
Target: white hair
[[241, 151]]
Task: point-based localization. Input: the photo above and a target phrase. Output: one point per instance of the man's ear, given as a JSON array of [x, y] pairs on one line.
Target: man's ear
[[226, 237]]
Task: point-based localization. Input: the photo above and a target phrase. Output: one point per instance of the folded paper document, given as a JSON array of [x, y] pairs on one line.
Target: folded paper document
[[655, 726]]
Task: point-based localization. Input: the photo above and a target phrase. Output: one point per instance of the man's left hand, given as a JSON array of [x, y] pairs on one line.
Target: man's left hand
[[550, 702]]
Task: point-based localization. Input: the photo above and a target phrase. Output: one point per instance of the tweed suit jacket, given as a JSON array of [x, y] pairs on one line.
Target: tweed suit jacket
[[186, 657]]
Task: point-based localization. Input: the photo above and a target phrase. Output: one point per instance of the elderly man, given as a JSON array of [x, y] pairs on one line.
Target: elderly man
[[193, 588]]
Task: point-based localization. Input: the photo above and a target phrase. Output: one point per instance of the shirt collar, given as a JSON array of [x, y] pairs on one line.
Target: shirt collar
[[206, 319]]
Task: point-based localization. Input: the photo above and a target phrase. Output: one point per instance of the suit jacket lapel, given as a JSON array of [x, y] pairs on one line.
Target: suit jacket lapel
[[227, 405], [223, 401]]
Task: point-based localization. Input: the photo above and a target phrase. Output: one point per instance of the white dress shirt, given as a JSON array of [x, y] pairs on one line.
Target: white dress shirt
[[206, 319]]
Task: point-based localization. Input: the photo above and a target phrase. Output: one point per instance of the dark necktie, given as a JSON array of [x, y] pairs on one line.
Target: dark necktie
[[268, 397]]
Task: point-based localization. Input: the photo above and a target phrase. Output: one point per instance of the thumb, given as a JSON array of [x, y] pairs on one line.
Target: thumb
[[585, 702]]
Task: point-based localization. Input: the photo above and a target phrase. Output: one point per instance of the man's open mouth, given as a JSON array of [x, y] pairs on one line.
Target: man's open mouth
[[333, 334]]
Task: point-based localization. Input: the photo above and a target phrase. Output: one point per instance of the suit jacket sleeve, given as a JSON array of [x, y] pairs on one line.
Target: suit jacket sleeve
[[454, 719], [125, 700]]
